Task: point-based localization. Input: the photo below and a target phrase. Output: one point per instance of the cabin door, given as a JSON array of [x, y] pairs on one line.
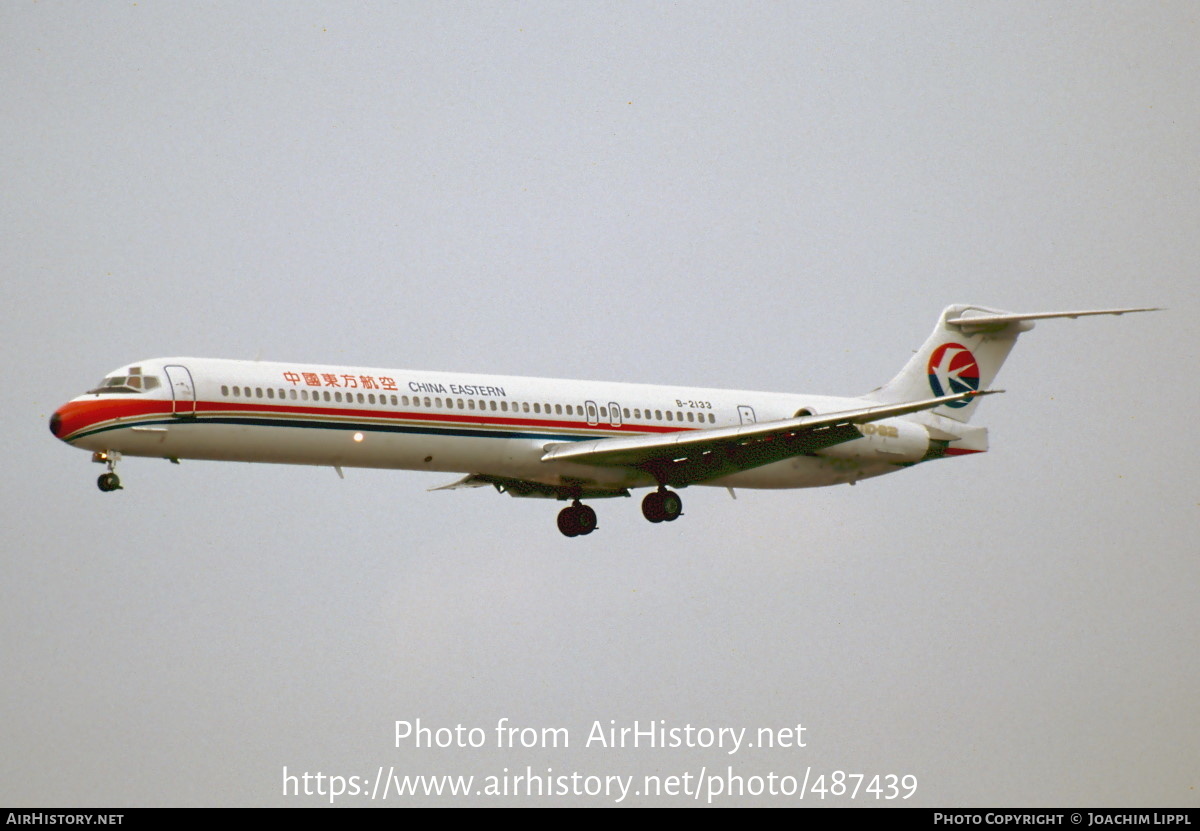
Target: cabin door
[[183, 391]]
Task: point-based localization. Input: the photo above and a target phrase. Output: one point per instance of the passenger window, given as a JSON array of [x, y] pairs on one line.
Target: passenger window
[[669, 415], [224, 389], [558, 409], [691, 416]]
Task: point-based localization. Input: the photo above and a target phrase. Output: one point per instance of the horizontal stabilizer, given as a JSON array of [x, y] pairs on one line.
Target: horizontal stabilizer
[[984, 322]]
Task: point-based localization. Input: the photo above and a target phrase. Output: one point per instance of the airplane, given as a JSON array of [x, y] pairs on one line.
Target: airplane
[[558, 439]]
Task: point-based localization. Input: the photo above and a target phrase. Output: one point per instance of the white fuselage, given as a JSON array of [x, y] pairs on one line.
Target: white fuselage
[[499, 426]]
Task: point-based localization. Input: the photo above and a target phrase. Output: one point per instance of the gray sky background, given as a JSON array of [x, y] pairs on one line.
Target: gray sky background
[[764, 196]]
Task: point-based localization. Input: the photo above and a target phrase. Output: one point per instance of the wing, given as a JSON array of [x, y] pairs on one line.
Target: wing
[[692, 456]]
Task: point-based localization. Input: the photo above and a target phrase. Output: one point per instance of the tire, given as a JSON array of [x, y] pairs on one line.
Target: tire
[[652, 507], [567, 522]]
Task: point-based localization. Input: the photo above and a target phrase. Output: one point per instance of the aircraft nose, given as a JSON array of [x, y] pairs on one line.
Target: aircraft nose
[[56, 424]]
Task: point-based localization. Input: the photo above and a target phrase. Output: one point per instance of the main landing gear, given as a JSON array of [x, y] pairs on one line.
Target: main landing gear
[[108, 481], [577, 520], [662, 505]]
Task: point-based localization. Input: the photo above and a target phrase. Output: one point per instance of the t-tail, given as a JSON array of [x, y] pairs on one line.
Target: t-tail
[[963, 354]]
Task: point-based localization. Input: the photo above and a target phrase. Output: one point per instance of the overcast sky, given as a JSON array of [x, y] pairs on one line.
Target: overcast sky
[[776, 196]]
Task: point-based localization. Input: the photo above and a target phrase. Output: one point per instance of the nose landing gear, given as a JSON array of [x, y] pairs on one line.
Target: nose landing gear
[[108, 481]]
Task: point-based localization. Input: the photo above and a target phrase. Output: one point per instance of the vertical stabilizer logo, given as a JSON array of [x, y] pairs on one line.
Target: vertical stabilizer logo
[[953, 369]]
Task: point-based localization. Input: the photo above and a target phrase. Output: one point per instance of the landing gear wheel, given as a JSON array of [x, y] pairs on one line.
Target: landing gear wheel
[[577, 520], [672, 506], [566, 522], [586, 519], [109, 482], [662, 506], [652, 507]]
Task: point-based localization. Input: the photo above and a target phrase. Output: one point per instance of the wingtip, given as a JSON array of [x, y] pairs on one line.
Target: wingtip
[[1119, 312]]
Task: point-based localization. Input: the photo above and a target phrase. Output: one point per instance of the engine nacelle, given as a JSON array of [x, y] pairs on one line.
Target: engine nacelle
[[889, 440]]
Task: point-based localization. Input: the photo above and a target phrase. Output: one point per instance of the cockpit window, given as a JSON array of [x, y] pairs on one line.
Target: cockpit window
[[134, 382]]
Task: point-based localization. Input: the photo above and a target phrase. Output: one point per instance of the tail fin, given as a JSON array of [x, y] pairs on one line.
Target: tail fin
[[964, 353]]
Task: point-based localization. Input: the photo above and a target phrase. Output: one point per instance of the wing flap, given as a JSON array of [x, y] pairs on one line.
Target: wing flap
[[471, 481], [539, 490]]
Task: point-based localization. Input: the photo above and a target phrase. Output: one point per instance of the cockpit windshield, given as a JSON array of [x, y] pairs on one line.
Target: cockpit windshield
[[134, 382]]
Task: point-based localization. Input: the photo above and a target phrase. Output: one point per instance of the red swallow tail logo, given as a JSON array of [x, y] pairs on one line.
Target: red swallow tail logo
[[953, 369]]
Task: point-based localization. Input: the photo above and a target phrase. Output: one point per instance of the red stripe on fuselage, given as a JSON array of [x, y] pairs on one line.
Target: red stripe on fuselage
[[77, 416]]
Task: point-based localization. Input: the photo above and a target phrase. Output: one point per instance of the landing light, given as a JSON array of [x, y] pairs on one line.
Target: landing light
[[358, 436]]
